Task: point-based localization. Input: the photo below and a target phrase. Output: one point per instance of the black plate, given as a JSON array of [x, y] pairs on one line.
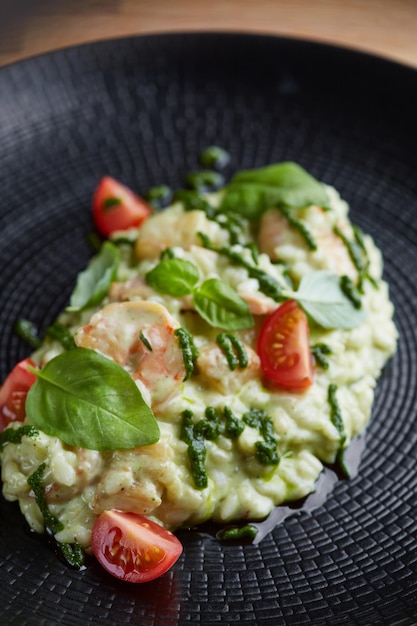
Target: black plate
[[141, 110]]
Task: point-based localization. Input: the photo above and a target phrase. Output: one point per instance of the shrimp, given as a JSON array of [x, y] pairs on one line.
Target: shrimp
[[174, 227], [258, 303], [280, 241], [214, 371], [133, 289], [139, 335], [131, 482]]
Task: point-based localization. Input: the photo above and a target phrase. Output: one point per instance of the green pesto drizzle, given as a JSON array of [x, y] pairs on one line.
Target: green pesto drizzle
[[214, 156], [359, 238], [158, 196], [35, 481], [266, 449], [56, 331], [209, 427], [337, 420], [350, 291], [320, 352], [111, 202], [232, 222], [298, 225], [204, 180], [354, 249], [233, 349], [167, 253], [267, 284], [145, 341], [189, 350], [71, 552], [196, 450], [27, 331], [61, 333], [14, 435], [233, 426], [238, 533], [192, 201]]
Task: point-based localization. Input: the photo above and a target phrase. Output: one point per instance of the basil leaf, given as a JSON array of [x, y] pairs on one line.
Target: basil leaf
[[94, 282], [221, 306], [322, 298], [287, 184], [87, 400], [175, 277]]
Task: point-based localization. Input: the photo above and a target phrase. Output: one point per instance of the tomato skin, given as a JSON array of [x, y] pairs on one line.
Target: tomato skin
[[283, 348], [13, 393], [132, 547], [116, 207]]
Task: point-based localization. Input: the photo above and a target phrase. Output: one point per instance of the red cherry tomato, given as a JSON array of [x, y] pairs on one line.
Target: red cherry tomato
[[132, 547], [13, 393], [116, 207], [283, 347]]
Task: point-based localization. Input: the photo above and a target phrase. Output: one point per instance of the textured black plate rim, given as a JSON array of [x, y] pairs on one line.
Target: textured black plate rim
[[323, 519]]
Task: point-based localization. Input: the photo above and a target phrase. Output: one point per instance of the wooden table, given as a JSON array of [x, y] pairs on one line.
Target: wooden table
[[385, 27]]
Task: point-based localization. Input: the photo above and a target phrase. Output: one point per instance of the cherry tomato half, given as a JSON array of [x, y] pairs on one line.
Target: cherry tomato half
[[116, 207], [13, 393], [283, 347], [132, 547]]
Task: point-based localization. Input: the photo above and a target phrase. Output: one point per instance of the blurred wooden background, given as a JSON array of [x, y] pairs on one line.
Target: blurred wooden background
[[385, 27]]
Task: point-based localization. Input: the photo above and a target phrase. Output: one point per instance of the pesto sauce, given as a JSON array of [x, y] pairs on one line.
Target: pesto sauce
[[27, 331], [72, 553], [159, 196], [298, 225], [61, 333], [196, 450], [210, 427], [354, 249], [337, 420], [214, 156], [238, 533], [189, 350], [350, 291], [14, 435], [233, 349], [266, 449], [233, 426], [205, 180], [320, 353], [267, 284], [232, 222], [35, 481]]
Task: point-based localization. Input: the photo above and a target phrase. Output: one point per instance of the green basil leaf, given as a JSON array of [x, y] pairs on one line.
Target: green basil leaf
[[87, 400], [221, 306], [287, 184], [94, 282], [175, 277], [322, 298]]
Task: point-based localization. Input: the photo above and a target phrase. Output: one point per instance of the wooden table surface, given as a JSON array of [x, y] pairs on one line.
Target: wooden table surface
[[385, 27]]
